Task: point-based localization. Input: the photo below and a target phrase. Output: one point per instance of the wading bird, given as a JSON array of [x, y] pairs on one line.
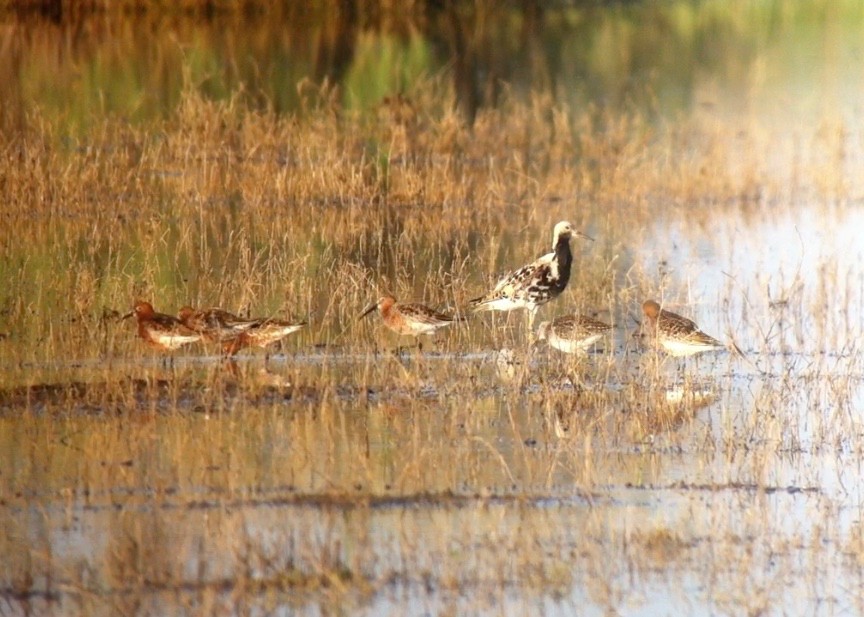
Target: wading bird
[[409, 319], [533, 285], [233, 332], [262, 334], [159, 330], [215, 324], [572, 333], [676, 335]]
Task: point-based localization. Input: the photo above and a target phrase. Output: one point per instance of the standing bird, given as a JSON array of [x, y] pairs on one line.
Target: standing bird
[[262, 333], [215, 324], [409, 319], [159, 330], [533, 285], [677, 335], [572, 333], [233, 332]]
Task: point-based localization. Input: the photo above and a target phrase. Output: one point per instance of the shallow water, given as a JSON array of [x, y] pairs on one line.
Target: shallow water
[[441, 481], [386, 493]]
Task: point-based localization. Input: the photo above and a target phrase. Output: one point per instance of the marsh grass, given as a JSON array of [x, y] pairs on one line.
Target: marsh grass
[[344, 471], [220, 206]]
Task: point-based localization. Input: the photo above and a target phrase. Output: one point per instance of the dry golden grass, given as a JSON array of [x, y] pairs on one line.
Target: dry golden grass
[[313, 217]]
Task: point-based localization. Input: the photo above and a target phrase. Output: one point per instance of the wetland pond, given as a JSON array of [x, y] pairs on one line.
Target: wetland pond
[[714, 154]]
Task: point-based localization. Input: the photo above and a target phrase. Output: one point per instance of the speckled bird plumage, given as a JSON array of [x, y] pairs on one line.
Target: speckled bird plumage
[[233, 332], [215, 324], [537, 283], [676, 335], [572, 333], [262, 333], [409, 319], [159, 330]]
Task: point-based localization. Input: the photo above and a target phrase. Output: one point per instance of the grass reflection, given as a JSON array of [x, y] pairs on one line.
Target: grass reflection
[[136, 64]]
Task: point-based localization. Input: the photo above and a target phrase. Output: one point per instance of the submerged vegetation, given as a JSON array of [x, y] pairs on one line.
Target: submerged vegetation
[[339, 474]]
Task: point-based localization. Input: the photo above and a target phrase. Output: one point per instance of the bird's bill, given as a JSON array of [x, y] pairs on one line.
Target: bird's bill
[[368, 310], [128, 315], [581, 234]]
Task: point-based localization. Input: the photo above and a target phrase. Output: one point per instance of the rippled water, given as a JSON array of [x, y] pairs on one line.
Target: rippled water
[[467, 510]]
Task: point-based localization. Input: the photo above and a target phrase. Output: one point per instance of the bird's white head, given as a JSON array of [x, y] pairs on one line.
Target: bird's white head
[[564, 231]]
